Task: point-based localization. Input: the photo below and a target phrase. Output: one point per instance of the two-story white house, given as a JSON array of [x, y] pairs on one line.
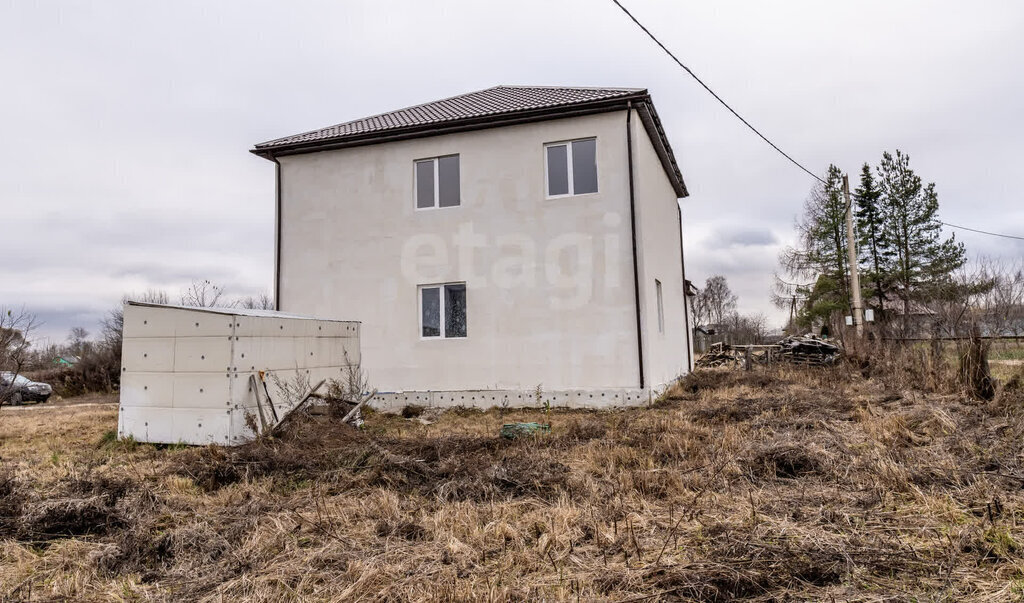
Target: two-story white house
[[494, 241]]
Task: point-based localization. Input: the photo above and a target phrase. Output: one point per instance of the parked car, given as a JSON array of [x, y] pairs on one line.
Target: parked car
[[15, 389]]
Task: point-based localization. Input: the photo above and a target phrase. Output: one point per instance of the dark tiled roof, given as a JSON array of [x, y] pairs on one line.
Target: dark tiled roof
[[497, 106], [499, 100]]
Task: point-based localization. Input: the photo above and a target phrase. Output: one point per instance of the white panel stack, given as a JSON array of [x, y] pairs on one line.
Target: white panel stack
[[185, 371]]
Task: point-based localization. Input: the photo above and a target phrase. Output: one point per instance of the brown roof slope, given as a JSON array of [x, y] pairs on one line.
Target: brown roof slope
[[493, 107]]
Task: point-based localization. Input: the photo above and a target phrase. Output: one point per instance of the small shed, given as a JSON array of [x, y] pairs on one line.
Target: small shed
[[188, 374]]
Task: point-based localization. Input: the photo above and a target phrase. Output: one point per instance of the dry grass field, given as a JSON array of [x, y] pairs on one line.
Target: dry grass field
[[791, 485]]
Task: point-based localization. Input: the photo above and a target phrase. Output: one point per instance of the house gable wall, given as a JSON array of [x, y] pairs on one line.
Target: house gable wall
[[550, 283]]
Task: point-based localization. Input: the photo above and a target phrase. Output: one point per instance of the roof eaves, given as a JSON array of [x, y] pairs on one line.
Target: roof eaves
[[652, 123], [490, 120]]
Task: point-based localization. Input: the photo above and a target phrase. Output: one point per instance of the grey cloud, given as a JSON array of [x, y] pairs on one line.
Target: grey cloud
[[126, 125], [743, 236], [171, 273]]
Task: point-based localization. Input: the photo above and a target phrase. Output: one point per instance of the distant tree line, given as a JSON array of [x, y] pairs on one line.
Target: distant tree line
[[83, 363], [715, 317]]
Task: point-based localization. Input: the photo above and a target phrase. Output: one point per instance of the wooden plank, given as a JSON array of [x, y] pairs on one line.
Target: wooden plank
[[259, 406]]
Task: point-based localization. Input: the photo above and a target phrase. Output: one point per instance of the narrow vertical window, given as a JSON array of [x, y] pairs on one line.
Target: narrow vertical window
[[584, 166], [448, 181], [571, 167], [558, 170], [455, 310], [437, 182], [443, 310], [430, 301], [661, 307], [425, 183]]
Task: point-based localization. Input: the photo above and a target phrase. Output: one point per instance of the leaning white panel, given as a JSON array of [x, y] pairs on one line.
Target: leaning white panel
[[185, 371]]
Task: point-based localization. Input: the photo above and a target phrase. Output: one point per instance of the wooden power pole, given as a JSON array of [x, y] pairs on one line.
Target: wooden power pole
[[851, 252]]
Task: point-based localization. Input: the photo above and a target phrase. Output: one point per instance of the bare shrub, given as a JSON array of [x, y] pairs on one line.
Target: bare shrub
[[262, 301], [202, 294], [16, 327], [353, 386], [293, 389], [345, 393]]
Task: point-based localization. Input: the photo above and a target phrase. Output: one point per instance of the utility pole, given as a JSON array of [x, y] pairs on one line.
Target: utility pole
[[851, 252]]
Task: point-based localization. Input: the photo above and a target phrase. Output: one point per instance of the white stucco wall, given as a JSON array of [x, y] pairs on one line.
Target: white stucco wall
[[550, 284], [658, 236]]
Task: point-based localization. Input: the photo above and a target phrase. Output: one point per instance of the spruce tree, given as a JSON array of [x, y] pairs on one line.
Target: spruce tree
[[821, 255], [875, 250], [922, 258]]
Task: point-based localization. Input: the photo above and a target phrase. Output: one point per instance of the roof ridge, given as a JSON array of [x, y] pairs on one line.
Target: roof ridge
[[615, 88]]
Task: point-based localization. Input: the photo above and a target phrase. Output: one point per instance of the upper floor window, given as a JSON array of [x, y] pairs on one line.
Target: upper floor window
[[571, 167], [437, 182]]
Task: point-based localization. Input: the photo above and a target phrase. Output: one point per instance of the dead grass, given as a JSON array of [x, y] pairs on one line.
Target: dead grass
[[795, 485]]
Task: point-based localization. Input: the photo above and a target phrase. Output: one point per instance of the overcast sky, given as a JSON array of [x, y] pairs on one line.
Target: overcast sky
[[126, 125]]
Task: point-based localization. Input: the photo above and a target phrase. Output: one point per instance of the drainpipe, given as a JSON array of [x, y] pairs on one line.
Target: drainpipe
[[277, 232], [632, 224], [686, 310]]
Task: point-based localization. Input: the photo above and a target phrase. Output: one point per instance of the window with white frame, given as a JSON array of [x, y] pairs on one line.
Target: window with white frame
[[661, 307], [443, 310], [437, 182], [571, 167]]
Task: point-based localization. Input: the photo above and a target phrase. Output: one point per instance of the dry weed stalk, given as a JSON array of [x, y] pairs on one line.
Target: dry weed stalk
[[804, 484]]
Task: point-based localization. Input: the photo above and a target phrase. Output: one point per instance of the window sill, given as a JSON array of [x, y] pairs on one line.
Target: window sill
[[438, 207], [555, 197]]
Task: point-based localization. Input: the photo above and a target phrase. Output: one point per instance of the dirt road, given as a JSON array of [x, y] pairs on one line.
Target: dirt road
[[58, 402]]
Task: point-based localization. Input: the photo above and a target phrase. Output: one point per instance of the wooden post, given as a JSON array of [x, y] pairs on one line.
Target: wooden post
[[851, 252], [254, 387], [748, 363]]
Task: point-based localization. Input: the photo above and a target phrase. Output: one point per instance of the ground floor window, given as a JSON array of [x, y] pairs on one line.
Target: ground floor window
[[443, 310]]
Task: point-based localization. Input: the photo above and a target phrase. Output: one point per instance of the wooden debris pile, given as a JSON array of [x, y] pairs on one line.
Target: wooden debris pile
[[720, 354], [805, 349], [808, 349]]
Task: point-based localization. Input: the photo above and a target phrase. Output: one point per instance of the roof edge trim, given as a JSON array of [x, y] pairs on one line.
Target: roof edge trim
[[641, 100], [652, 123], [233, 311], [444, 127]]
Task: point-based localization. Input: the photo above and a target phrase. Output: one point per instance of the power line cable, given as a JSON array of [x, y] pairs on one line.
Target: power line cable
[[984, 232], [756, 131], [718, 98]]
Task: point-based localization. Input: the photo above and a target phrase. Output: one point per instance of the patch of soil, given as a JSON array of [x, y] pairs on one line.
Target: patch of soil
[[404, 529], [784, 461], [82, 507]]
